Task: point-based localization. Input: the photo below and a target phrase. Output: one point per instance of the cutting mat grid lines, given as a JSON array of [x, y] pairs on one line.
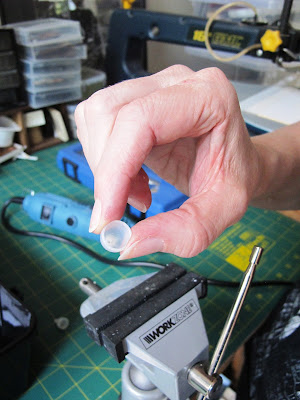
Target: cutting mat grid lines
[[67, 365]]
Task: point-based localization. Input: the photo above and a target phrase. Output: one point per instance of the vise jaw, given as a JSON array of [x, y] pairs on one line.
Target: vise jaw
[[157, 325]]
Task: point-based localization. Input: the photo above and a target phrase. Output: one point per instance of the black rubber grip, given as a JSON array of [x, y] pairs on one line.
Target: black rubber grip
[[110, 325]]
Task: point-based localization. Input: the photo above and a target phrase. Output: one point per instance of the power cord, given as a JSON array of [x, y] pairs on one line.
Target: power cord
[[86, 250], [105, 260]]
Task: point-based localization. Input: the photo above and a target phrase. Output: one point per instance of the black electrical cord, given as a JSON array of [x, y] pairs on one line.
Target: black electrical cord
[[91, 253], [98, 257]]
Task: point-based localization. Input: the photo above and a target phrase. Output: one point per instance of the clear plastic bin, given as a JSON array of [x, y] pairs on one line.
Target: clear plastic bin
[[50, 82], [50, 67], [45, 99], [246, 69], [92, 80], [268, 10], [46, 31], [65, 50], [9, 79], [8, 61]]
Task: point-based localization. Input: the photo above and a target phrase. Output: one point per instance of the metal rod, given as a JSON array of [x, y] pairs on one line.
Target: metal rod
[[234, 313], [285, 16]]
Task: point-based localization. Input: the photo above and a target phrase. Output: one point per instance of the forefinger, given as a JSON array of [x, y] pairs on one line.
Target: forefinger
[[95, 117], [185, 109]]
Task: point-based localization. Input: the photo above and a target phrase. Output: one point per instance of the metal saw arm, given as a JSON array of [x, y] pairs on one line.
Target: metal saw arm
[[130, 30]]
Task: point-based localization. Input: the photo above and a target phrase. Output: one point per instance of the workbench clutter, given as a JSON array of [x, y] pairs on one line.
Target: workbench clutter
[[68, 364], [17, 329], [23, 128], [45, 124], [51, 51], [8, 128], [10, 80], [7, 131]]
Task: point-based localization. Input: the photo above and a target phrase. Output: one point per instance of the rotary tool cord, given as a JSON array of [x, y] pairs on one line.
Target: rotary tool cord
[[105, 260], [64, 240]]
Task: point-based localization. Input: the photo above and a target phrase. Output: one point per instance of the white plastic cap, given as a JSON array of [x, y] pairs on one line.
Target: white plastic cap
[[115, 236]]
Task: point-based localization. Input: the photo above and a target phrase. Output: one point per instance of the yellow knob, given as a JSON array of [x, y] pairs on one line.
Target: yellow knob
[[127, 4], [271, 40]]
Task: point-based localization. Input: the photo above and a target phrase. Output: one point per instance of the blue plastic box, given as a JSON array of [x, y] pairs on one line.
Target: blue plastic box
[[165, 197]]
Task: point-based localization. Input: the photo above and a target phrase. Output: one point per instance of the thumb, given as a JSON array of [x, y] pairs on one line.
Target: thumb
[[189, 230], [139, 197]]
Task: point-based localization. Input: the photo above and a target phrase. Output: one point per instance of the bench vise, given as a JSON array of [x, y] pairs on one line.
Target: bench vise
[[152, 321], [155, 322]]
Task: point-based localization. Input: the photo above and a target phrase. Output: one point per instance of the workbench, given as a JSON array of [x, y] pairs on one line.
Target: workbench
[[66, 364]]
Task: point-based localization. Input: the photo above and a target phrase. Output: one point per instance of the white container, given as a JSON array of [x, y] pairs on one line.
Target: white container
[[8, 127], [46, 31]]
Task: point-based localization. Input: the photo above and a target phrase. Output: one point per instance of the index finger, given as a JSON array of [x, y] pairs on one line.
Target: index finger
[[165, 115], [96, 116]]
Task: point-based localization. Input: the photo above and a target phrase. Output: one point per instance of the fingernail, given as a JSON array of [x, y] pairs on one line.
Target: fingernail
[[142, 248], [96, 216], [137, 204]]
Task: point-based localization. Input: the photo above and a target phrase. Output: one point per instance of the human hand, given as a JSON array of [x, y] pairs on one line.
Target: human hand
[[187, 127]]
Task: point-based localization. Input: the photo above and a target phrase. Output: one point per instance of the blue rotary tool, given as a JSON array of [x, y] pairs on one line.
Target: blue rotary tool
[[62, 213]]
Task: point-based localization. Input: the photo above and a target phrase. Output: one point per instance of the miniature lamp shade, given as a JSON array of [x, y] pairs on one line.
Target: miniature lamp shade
[[115, 236]]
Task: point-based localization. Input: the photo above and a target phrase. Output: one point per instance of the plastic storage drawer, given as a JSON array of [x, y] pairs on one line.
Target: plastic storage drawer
[[65, 50], [6, 39], [46, 31], [8, 61], [9, 79], [8, 96], [45, 99], [44, 83], [38, 68], [92, 80]]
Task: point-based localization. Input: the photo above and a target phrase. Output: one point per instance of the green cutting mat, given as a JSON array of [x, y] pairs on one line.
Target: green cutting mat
[[67, 365]]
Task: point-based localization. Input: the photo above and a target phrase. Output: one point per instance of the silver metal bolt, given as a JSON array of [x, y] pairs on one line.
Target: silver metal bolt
[[62, 323], [88, 286], [154, 31]]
